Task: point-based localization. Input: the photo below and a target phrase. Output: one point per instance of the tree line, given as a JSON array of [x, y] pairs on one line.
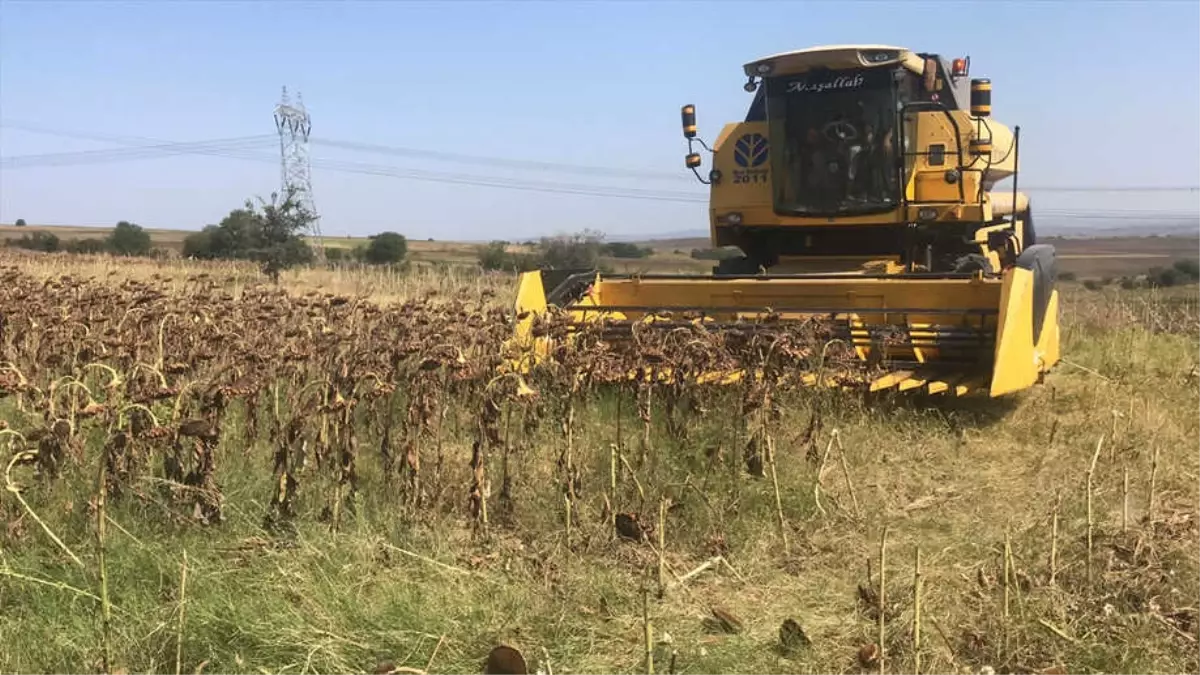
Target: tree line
[[126, 239], [1180, 273], [270, 233], [584, 250]]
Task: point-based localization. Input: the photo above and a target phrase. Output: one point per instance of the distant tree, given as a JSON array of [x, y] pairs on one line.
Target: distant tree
[[713, 253], [495, 256], [90, 245], [621, 249], [233, 239], [280, 243], [1164, 278], [1188, 268], [38, 241], [271, 234], [574, 251], [336, 254], [386, 248], [20, 222], [241, 232], [199, 244], [129, 239]]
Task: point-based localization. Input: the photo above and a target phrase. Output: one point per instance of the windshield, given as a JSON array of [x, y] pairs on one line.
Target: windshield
[[834, 136]]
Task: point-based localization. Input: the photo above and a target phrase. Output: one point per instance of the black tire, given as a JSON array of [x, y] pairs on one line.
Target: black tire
[[739, 266], [973, 262], [1028, 233], [1042, 261]]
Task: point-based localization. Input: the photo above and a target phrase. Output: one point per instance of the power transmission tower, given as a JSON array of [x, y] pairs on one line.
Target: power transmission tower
[[294, 124]]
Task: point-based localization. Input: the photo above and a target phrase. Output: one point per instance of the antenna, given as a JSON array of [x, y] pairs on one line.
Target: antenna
[[295, 170]]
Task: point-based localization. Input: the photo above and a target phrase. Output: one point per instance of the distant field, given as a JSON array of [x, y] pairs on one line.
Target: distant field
[[1086, 258], [1099, 257]]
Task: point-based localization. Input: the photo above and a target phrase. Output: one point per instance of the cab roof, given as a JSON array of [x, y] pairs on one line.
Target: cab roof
[[834, 56]]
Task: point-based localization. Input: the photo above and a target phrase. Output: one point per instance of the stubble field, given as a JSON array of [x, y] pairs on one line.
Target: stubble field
[[205, 473]]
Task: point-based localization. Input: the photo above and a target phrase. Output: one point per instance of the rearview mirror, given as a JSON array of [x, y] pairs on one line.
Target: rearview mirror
[[689, 121]]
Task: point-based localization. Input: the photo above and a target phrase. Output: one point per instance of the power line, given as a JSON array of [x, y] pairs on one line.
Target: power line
[[143, 148], [432, 176], [235, 149], [499, 182], [536, 165], [111, 155], [437, 155]]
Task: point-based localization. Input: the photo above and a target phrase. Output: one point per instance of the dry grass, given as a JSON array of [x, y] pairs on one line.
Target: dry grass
[[380, 284], [419, 580]]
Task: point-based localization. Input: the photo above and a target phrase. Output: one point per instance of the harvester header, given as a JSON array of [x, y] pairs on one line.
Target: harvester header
[[861, 190]]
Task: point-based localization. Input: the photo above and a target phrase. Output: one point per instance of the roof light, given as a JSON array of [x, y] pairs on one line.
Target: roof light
[[960, 67]]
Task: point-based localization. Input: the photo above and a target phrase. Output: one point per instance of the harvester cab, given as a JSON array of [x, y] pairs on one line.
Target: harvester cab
[[860, 189]]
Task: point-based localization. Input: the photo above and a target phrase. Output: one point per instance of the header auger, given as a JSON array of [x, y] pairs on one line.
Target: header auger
[[859, 191]]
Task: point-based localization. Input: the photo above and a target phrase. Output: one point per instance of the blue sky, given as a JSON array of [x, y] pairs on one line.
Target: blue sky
[[1105, 92]]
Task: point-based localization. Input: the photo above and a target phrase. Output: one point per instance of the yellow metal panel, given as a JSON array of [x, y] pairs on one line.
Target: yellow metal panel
[[931, 186], [1048, 347], [1015, 367], [742, 187], [845, 293], [915, 382], [970, 386], [726, 131], [890, 380], [943, 384], [531, 300]]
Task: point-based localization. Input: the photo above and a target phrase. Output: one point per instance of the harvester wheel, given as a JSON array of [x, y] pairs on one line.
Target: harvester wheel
[[740, 265], [973, 262]]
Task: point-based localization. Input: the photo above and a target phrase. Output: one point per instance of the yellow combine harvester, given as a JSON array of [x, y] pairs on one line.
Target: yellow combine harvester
[[859, 190]]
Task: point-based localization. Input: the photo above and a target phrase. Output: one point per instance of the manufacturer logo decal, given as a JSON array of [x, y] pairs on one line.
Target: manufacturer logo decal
[[750, 151], [843, 82]]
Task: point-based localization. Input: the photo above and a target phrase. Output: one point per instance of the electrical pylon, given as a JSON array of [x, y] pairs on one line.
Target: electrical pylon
[[294, 124]]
